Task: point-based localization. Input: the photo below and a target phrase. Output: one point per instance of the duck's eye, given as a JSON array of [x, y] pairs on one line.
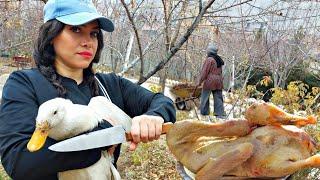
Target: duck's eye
[[55, 112]]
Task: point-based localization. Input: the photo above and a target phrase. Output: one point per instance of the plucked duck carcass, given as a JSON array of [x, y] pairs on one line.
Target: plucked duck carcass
[[244, 148]]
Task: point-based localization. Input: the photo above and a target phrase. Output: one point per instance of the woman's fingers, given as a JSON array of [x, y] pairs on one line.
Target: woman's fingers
[[146, 128], [135, 130], [133, 146], [158, 129]]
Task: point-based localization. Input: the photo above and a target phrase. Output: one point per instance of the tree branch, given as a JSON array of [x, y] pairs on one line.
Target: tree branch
[[176, 48], [136, 34], [15, 45]]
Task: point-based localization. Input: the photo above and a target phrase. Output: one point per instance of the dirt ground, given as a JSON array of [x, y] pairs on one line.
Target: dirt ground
[[3, 174], [150, 161]]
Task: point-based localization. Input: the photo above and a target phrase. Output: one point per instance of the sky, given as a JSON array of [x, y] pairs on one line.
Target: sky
[[273, 13]]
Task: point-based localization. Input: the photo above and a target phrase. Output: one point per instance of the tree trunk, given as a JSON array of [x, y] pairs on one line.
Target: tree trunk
[[181, 41]]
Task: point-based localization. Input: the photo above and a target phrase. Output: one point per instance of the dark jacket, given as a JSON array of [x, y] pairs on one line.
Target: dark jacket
[[26, 90], [211, 75]]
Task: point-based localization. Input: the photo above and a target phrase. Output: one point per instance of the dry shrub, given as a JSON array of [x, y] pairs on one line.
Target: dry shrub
[[151, 160]]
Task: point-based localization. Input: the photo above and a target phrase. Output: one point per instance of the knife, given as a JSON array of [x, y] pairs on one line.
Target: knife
[[105, 137], [97, 139]]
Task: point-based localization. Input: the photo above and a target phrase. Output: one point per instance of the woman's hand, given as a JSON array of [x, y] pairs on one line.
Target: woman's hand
[[145, 128]]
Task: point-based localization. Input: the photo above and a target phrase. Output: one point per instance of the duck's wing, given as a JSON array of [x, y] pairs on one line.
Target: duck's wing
[[106, 109]]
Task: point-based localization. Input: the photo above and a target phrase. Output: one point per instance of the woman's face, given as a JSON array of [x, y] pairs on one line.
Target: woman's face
[[76, 46]]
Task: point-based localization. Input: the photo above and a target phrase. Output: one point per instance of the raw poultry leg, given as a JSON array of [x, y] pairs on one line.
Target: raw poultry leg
[[216, 167], [291, 167], [189, 130], [269, 114], [185, 139]]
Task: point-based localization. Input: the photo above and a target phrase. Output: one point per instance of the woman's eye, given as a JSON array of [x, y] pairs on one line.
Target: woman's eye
[[94, 34], [75, 29]]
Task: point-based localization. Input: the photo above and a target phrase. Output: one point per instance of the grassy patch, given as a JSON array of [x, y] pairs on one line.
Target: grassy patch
[[3, 174], [149, 161]]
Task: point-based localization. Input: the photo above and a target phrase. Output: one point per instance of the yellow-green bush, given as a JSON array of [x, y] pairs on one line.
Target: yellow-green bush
[[155, 88], [297, 97]]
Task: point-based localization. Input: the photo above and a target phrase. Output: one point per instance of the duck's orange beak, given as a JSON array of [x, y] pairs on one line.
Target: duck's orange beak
[[38, 137]]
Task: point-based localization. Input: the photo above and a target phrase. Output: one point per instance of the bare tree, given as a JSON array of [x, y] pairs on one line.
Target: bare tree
[[170, 45], [170, 36]]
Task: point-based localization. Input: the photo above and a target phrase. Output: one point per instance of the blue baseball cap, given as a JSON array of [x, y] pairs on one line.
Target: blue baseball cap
[[75, 12]]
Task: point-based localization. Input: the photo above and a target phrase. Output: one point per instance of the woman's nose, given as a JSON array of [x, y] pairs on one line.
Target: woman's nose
[[87, 41]]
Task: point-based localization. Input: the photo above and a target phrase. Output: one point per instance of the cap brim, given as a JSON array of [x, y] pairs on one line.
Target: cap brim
[[85, 17]]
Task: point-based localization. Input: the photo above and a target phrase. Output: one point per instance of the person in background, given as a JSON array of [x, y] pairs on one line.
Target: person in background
[[211, 77], [69, 42]]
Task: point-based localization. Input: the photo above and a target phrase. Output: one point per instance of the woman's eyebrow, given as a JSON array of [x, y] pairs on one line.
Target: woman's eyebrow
[[95, 27]]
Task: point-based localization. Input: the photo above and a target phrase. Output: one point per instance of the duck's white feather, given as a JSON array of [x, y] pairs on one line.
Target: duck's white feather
[[67, 120]]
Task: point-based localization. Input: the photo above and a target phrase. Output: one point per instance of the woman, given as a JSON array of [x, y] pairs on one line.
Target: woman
[[211, 77], [69, 42]]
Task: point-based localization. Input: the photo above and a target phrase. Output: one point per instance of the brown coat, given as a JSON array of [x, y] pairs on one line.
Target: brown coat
[[211, 75]]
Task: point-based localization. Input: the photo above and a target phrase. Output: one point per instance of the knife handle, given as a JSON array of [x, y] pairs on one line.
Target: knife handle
[[165, 128]]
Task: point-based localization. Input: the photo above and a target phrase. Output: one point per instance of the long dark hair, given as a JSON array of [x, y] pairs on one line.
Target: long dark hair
[[44, 56], [218, 59]]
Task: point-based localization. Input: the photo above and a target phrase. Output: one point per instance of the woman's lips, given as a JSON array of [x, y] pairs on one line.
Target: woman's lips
[[85, 54]]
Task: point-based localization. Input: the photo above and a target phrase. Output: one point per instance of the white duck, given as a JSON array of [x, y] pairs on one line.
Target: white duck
[[60, 119]]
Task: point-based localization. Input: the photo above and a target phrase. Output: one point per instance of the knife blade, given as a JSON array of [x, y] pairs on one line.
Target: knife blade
[[91, 140], [97, 139]]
